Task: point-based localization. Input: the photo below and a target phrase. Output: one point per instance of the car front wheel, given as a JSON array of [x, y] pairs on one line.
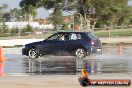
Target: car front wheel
[[80, 53], [33, 53]]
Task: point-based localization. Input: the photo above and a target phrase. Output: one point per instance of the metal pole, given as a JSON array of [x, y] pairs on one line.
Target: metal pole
[[109, 32], [19, 28], [73, 22], [72, 17], [19, 34], [81, 21]]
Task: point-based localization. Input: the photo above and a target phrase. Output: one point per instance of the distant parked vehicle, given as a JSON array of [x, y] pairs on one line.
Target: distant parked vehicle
[[40, 32], [79, 44]]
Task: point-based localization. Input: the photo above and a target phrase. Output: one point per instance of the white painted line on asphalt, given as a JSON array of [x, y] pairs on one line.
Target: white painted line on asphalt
[[16, 74]]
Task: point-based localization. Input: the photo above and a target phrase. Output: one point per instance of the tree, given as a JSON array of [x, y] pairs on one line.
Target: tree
[[7, 17], [57, 17], [118, 8], [3, 8], [28, 28], [95, 10], [125, 17], [30, 7], [16, 14], [57, 5], [3, 27], [90, 12]]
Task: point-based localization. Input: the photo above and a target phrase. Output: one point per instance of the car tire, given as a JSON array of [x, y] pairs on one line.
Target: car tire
[[33, 53], [80, 53]]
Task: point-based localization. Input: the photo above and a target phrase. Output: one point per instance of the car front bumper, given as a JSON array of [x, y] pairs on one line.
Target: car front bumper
[[24, 51]]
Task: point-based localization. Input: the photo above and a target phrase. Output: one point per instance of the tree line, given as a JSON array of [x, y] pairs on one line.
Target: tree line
[[94, 12], [88, 13]]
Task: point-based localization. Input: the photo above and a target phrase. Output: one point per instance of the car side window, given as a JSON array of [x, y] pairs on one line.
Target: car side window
[[74, 36], [79, 36], [58, 37]]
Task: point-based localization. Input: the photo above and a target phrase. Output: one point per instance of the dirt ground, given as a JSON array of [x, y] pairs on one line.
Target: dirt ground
[[56, 81], [117, 40]]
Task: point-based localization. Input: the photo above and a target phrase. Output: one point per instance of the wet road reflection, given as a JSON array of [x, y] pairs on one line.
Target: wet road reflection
[[51, 65], [108, 62]]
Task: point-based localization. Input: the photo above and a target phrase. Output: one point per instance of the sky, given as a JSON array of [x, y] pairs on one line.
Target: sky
[[42, 13], [130, 2], [15, 4]]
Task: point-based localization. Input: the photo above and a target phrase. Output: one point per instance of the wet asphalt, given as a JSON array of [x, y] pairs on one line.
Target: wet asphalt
[[112, 60]]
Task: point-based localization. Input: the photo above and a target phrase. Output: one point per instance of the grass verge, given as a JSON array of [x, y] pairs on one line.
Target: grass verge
[[114, 33]]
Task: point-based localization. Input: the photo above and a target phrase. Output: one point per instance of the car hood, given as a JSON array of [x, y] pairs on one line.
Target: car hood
[[34, 43]]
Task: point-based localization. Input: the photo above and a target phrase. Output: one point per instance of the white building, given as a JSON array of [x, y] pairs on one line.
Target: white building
[[46, 26], [32, 24], [22, 24]]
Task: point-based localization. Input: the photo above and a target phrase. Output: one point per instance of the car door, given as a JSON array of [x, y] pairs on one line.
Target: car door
[[74, 42], [54, 44]]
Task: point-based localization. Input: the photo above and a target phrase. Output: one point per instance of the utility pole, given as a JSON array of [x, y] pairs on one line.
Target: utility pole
[[72, 17], [81, 21], [19, 28]]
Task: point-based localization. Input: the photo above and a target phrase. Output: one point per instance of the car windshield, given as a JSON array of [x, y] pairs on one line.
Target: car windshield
[[52, 37]]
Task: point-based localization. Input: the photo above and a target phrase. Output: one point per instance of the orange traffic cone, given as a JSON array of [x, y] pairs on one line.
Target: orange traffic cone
[[120, 50], [2, 58], [2, 68]]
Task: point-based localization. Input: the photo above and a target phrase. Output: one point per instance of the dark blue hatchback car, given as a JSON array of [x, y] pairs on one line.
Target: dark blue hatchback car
[[79, 44]]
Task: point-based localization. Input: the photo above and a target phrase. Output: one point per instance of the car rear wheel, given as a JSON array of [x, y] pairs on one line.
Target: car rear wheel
[[33, 53], [80, 53]]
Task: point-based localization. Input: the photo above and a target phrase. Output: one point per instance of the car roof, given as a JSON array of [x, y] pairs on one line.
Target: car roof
[[73, 32]]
